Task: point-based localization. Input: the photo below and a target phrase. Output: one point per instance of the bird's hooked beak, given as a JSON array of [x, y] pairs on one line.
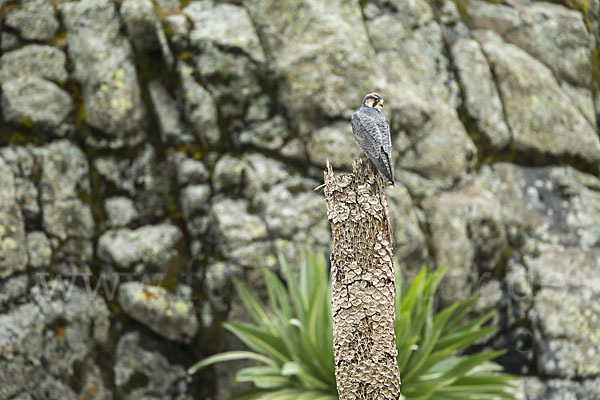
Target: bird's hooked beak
[[378, 104]]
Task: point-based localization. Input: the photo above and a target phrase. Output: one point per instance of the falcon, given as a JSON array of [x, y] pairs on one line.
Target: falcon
[[372, 132]]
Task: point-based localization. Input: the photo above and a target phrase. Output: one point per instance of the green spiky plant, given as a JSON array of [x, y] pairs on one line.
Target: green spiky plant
[[293, 341]]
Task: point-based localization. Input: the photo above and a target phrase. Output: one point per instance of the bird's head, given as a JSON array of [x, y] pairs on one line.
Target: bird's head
[[373, 100]]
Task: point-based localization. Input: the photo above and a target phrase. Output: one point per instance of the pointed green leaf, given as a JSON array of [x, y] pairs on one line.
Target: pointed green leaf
[[229, 356]]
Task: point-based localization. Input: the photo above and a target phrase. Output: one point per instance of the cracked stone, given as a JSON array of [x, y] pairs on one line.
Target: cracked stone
[[13, 254], [34, 20], [153, 246], [137, 356], [169, 315], [482, 100], [38, 249], [537, 110], [334, 143], [104, 66], [34, 60], [120, 211], [167, 112], [34, 101]]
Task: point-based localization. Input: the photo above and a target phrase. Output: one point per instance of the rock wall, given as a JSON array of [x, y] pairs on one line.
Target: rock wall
[[152, 150]]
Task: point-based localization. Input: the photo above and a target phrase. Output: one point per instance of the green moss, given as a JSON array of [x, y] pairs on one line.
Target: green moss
[[184, 55], [461, 6], [26, 122], [192, 150], [59, 40], [19, 137], [184, 3], [595, 71]]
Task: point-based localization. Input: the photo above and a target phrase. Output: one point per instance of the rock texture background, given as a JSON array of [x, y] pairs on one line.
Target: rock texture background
[[152, 150]]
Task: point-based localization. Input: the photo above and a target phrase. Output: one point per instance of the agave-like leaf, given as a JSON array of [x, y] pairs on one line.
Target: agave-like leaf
[[264, 377], [293, 288], [306, 377], [248, 394], [259, 340], [433, 331], [252, 304], [230, 356], [278, 296], [292, 340]]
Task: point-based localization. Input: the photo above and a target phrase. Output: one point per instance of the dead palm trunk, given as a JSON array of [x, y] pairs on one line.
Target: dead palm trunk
[[363, 285]]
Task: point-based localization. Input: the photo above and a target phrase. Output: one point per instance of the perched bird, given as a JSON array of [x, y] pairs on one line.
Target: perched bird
[[372, 132]]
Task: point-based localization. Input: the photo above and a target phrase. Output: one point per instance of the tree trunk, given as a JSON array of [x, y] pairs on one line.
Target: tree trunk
[[363, 285]]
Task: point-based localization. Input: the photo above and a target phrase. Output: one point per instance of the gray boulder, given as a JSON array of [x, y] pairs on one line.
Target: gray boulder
[[240, 235], [227, 54], [8, 41], [65, 171], [499, 18], [199, 107], [34, 20], [145, 28], [179, 28], [51, 388], [565, 314], [168, 115], [421, 102], [169, 315], [13, 257], [34, 60], [68, 219], [190, 171], [558, 206], [92, 385], [293, 200], [120, 211], [33, 101], [133, 360], [334, 143], [103, 62], [193, 198], [153, 246], [144, 178], [42, 341], [64, 180], [559, 38], [262, 174], [229, 173], [38, 249], [24, 167], [537, 110], [534, 388], [270, 134], [410, 247], [481, 97], [566, 334], [217, 284], [225, 25], [467, 234], [300, 35], [583, 99], [11, 290]]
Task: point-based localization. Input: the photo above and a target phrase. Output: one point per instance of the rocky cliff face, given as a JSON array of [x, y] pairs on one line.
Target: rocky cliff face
[[152, 150]]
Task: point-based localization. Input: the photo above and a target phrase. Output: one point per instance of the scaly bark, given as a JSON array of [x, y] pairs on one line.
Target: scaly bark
[[363, 285]]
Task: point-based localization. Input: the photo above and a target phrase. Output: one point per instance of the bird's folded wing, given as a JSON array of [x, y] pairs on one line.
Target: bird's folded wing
[[367, 134]]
